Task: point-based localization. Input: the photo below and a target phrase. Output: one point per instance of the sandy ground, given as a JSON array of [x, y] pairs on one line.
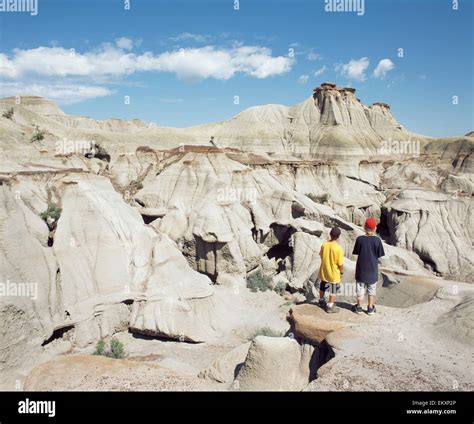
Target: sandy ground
[[427, 346]]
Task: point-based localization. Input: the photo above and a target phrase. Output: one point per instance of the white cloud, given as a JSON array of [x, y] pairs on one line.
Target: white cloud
[[303, 79], [313, 56], [62, 93], [7, 68], [124, 43], [69, 76], [108, 60], [384, 66], [320, 71], [354, 69], [185, 36]]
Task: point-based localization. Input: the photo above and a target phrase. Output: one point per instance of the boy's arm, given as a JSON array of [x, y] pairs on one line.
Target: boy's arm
[[356, 247], [380, 251], [340, 262]]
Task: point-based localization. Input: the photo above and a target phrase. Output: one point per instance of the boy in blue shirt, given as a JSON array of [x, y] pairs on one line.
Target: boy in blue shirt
[[368, 249]]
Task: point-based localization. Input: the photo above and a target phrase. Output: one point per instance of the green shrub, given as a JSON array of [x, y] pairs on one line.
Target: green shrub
[[8, 113], [100, 348], [53, 212], [268, 332], [323, 198], [116, 350], [279, 287], [38, 134], [259, 282]]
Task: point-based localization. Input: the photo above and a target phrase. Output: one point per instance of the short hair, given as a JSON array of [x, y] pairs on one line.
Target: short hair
[[335, 233]]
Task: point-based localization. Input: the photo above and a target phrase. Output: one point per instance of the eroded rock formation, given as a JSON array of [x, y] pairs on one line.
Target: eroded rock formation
[[160, 233]]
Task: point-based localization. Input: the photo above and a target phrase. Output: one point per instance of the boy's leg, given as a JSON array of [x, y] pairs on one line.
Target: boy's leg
[[322, 291], [323, 286], [360, 292], [333, 293], [331, 307], [371, 289]]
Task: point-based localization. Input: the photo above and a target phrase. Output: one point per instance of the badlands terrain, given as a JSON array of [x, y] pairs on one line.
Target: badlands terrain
[[153, 235]]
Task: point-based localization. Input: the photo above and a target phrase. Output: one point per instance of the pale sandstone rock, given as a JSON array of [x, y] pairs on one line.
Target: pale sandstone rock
[[275, 363], [225, 368], [437, 227], [313, 324]]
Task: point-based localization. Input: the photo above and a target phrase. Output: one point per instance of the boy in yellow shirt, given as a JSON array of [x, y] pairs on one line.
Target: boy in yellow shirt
[[332, 267]]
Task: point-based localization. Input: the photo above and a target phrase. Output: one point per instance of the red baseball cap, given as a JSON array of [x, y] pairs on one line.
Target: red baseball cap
[[371, 223]]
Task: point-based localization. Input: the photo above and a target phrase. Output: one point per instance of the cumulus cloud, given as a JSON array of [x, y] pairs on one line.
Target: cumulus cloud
[[320, 71], [124, 43], [70, 76], [61, 93], [354, 69], [193, 63], [303, 79], [383, 67], [221, 64]]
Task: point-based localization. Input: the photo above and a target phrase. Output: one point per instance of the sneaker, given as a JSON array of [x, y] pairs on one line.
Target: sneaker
[[357, 309], [371, 310], [323, 303], [331, 309]]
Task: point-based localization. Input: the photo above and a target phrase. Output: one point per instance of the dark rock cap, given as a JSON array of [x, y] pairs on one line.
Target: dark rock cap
[[328, 85], [381, 104]]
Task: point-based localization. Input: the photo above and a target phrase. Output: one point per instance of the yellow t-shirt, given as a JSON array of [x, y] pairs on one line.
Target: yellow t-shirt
[[332, 256]]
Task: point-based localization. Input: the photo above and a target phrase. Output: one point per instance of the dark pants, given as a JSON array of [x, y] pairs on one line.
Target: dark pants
[[333, 288]]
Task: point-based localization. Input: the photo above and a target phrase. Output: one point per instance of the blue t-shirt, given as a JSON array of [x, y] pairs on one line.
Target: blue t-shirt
[[368, 249]]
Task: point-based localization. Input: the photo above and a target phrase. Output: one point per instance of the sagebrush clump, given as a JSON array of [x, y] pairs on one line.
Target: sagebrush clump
[[53, 212], [38, 135], [279, 287], [116, 349], [100, 348], [259, 282], [8, 113]]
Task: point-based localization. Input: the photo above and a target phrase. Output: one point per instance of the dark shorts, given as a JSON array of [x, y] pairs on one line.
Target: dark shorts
[[333, 288]]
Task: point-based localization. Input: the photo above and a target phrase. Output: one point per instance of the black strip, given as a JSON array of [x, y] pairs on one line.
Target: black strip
[[90, 405]]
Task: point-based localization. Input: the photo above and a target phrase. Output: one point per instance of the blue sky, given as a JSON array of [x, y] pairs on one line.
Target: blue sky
[[182, 62]]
